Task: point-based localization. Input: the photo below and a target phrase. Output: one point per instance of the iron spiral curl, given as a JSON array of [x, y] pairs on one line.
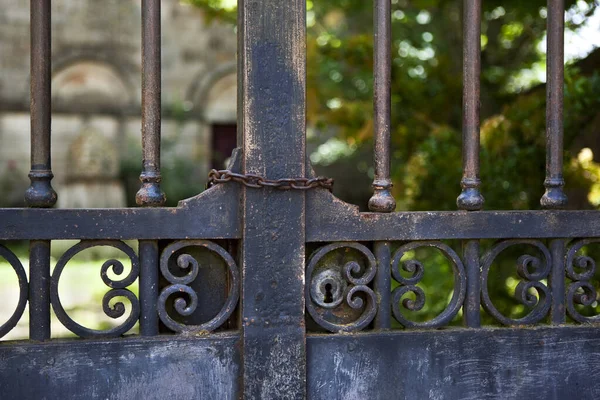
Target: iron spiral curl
[[409, 285], [347, 287], [529, 268], [580, 290], [16, 265], [179, 286], [118, 289]]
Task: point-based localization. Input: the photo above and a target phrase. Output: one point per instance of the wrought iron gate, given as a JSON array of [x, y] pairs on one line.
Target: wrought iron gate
[[280, 324]]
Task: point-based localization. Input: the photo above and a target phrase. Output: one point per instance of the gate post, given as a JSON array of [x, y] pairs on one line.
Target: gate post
[[272, 66]]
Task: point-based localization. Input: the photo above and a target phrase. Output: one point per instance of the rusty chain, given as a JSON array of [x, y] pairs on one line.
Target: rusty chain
[[257, 181]]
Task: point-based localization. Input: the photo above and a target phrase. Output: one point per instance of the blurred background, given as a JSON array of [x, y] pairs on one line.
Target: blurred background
[[96, 85]]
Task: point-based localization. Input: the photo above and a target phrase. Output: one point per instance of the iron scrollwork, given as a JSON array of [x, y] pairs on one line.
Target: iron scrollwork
[[180, 286], [580, 290], [409, 285], [118, 289], [532, 270], [338, 291], [17, 267]]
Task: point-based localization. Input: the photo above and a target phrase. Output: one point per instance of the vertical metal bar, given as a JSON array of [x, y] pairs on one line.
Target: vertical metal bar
[[148, 251], [471, 308], [471, 199], [554, 183], [383, 286], [150, 193], [272, 70], [557, 281], [39, 290], [40, 193], [382, 199]]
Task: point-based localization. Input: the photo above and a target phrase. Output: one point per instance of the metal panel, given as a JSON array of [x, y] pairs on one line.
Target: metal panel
[[552, 363], [124, 369]]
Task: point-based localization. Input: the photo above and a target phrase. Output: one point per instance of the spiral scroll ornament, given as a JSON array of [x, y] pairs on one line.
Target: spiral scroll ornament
[[17, 267], [186, 299], [118, 289], [409, 285], [581, 270], [337, 295], [532, 270]]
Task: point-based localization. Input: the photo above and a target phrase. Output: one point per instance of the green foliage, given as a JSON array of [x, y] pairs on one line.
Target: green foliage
[[219, 9]]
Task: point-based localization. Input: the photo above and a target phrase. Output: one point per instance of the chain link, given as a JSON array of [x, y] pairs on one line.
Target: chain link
[[257, 181]]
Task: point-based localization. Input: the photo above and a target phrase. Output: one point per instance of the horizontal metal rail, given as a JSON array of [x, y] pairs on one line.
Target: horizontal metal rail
[[441, 225], [219, 221], [182, 223]]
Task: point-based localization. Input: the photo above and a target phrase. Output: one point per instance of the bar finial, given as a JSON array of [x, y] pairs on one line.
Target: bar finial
[[40, 193], [470, 198]]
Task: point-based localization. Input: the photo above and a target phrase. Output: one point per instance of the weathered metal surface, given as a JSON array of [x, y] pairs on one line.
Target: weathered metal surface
[[338, 224], [272, 66], [150, 194], [383, 285], [471, 199], [39, 290], [555, 197], [220, 220], [382, 199], [329, 219], [148, 255], [550, 363], [472, 306], [556, 281], [40, 193], [161, 368]]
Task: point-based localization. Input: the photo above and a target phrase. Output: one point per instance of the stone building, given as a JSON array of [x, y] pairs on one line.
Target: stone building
[[96, 92]]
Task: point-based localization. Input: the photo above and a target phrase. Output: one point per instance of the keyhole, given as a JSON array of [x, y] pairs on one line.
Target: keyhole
[[328, 293]]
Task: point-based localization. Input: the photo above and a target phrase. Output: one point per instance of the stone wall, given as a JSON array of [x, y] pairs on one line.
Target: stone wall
[[96, 58]]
